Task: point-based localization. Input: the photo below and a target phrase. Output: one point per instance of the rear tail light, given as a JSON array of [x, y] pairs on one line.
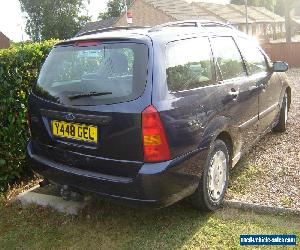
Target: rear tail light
[[156, 147]]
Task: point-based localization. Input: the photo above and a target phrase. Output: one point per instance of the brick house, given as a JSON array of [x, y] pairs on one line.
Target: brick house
[[4, 41], [98, 25], [148, 13], [262, 22]]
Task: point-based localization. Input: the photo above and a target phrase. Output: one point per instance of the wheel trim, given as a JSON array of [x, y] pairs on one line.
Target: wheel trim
[[217, 175]]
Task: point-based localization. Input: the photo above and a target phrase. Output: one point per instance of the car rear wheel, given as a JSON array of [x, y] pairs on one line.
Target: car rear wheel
[[283, 115], [214, 181]]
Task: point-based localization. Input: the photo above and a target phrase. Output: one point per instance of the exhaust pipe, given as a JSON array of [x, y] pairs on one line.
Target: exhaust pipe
[[44, 183], [65, 192], [70, 194]]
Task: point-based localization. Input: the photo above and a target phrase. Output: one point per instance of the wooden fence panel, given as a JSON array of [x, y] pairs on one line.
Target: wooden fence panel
[[288, 52]]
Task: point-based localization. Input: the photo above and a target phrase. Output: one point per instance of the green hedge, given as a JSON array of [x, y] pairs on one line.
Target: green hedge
[[19, 67]]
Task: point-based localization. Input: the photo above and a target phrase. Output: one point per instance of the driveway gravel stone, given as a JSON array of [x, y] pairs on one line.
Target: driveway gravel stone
[[270, 173]]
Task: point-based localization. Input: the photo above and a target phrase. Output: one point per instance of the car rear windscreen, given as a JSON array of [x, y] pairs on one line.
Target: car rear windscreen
[[94, 73]]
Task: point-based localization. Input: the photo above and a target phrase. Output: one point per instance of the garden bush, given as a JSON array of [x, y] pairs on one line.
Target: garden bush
[[19, 67]]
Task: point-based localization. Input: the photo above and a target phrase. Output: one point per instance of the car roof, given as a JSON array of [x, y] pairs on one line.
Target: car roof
[[161, 33]]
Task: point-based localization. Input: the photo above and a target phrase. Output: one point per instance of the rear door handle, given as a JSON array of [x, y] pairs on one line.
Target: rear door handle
[[234, 92], [231, 96]]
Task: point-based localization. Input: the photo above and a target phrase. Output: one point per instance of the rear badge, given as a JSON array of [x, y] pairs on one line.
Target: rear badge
[[70, 117]]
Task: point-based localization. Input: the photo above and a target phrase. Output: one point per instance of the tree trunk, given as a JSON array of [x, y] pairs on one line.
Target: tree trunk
[[288, 29]]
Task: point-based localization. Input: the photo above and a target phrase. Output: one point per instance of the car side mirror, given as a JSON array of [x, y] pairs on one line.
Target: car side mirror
[[280, 66]]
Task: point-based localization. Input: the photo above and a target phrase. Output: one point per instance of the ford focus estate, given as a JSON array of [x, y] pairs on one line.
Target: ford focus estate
[[153, 115]]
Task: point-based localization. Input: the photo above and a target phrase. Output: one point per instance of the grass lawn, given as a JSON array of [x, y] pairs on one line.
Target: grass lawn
[[104, 225]]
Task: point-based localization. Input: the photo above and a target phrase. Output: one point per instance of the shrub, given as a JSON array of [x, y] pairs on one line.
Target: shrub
[[19, 66]]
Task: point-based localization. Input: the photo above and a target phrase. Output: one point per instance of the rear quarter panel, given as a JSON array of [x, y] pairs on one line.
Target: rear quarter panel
[[191, 118]]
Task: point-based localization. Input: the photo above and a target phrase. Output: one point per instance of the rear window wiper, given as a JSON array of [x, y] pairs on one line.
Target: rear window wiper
[[73, 97]]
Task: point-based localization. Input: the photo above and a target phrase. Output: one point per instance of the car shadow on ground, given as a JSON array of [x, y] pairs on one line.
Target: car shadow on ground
[[154, 228]]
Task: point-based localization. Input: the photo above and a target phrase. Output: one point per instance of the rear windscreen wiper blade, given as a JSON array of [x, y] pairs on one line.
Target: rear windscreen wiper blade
[[72, 97]]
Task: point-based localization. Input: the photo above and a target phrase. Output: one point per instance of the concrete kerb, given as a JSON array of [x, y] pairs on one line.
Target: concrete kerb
[[58, 203], [257, 208]]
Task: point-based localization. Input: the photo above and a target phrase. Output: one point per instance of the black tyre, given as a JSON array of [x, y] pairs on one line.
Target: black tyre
[[214, 181], [283, 116]]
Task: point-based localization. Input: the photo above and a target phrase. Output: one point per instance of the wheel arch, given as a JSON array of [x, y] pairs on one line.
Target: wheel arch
[[219, 128], [227, 139], [289, 94]]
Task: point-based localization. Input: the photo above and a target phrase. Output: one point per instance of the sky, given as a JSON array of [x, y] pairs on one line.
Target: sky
[[12, 20]]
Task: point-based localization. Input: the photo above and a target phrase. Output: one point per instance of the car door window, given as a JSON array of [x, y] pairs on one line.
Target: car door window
[[254, 58], [228, 57], [189, 64]]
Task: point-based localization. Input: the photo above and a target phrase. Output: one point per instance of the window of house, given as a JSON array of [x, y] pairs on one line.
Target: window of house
[[228, 57], [189, 64], [254, 59]]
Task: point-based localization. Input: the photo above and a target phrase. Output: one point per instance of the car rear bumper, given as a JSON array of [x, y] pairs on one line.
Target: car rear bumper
[[156, 185]]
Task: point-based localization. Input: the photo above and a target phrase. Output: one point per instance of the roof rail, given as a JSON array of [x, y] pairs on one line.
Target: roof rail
[[111, 29], [191, 23], [187, 23], [216, 24]]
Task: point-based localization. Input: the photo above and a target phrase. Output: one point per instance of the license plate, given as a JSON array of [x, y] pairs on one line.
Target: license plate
[[75, 131]]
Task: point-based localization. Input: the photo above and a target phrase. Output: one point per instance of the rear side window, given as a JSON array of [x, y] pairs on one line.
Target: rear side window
[[104, 73], [189, 64], [228, 57], [254, 59]]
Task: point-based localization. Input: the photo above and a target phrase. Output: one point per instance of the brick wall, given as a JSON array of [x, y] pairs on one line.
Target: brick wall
[[144, 15], [4, 41]]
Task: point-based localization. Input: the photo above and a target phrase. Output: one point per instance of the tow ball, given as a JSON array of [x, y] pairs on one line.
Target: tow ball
[[68, 194]]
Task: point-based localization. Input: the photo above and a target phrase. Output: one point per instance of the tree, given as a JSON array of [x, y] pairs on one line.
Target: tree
[[114, 8], [281, 7], [46, 19], [288, 5]]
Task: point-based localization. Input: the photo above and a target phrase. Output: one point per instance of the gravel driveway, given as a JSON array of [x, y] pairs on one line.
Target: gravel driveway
[[270, 173]]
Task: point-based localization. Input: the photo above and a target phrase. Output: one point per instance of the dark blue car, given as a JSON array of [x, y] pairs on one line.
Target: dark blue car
[[153, 115]]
